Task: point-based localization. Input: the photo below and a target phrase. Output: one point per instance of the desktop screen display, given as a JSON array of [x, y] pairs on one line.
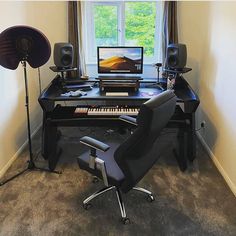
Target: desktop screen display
[[123, 60]]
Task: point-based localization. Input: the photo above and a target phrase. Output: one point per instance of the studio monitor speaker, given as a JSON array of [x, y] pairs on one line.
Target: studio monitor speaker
[[63, 55], [176, 56]]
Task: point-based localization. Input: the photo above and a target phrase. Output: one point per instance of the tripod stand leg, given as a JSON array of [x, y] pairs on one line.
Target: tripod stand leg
[[30, 167], [13, 177]]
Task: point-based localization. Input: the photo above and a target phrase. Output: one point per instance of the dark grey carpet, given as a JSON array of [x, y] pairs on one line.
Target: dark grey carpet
[[197, 202]]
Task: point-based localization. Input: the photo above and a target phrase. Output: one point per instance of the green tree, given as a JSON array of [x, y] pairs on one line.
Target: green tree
[[140, 25], [105, 18]]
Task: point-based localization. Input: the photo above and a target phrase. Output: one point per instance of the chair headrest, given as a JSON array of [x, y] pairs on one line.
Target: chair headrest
[[159, 99], [147, 109], [23, 43]]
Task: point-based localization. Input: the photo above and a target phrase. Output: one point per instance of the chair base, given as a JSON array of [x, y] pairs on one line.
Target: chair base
[[125, 219]]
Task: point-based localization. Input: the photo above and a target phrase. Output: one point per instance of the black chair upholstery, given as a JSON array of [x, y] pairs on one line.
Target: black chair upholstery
[[114, 173], [126, 164]]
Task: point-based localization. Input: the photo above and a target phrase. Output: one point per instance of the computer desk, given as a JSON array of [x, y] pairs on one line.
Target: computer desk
[[55, 115]]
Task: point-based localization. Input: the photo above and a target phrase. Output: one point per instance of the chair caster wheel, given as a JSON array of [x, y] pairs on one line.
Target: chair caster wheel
[[126, 220], [150, 198], [87, 206]]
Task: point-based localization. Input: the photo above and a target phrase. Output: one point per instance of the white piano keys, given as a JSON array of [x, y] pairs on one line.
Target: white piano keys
[[107, 111]]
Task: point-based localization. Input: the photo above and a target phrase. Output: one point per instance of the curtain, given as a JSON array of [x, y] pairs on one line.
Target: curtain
[[75, 30], [170, 30]]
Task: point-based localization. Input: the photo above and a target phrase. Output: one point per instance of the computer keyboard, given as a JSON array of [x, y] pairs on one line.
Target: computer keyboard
[[117, 94]]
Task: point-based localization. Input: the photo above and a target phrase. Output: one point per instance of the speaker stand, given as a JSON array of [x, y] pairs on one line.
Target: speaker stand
[[62, 77], [158, 84]]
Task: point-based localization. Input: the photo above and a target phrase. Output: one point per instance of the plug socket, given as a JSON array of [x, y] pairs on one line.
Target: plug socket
[[203, 124]]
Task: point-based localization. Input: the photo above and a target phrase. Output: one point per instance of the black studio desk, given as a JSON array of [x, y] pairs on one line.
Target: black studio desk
[[55, 115]]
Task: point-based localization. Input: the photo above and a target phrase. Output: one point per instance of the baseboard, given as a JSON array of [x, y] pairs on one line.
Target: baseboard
[[19, 151], [218, 165]]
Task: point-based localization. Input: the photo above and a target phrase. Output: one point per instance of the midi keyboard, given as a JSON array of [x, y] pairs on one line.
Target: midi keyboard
[[107, 111]]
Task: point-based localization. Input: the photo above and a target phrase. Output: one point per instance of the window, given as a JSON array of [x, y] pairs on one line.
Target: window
[[126, 23]]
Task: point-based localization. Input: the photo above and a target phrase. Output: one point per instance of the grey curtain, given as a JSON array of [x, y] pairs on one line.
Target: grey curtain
[[170, 29], [74, 35]]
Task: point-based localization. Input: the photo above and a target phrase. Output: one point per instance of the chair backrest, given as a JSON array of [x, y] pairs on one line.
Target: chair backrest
[[135, 156]]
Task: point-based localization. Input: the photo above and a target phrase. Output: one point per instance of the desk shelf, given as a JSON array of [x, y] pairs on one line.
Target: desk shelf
[[56, 69], [66, 116], [177, 71]]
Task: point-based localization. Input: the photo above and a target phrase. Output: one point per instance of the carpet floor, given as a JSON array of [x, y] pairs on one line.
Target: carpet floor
[[194, 202]]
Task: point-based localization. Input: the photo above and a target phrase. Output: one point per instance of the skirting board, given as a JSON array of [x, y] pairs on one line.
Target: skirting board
[[218, 165], [9, 163]]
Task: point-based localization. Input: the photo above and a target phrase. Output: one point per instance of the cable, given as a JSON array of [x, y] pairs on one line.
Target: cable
[[38, 152], [198, 129]]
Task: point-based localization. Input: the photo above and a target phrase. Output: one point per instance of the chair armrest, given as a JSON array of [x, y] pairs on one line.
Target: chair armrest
[[94, 161], [129, 119], [94, 143]]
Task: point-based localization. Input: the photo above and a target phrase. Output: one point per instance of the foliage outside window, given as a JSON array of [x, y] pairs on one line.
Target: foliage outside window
[[140, 25], [105, 22], [124, 23]]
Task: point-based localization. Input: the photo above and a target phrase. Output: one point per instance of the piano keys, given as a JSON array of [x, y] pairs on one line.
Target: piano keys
[[107, 111]]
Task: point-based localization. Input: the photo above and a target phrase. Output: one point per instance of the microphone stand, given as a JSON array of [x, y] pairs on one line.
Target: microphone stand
[[31, 165], [158, 84]]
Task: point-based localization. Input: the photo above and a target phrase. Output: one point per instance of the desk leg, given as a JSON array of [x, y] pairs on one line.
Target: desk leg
[[191, 137], [45, 139], [54, 152], [181, 154], [49, 144]]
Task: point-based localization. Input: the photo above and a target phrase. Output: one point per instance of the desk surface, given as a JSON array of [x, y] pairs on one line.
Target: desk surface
[[183, 92], [96, 94]]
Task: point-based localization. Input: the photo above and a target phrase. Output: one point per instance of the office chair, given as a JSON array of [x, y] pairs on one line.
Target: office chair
[[121, 167]]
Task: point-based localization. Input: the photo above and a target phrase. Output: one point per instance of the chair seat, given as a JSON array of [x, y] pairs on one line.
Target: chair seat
[[114, 173]]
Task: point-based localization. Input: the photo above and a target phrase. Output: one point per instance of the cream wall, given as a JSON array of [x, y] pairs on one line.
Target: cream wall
[[208, 29], [51, 19]]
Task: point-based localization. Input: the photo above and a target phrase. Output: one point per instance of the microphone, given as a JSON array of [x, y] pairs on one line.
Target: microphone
[[24, 45]]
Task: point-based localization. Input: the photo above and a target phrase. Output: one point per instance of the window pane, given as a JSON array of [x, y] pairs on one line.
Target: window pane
[[105, 24], [140, 25]]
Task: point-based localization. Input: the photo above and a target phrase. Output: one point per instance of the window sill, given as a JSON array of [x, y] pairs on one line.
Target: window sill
[[95, 64]]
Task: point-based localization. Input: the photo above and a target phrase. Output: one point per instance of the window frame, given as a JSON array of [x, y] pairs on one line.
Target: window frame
[[90, 52]]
